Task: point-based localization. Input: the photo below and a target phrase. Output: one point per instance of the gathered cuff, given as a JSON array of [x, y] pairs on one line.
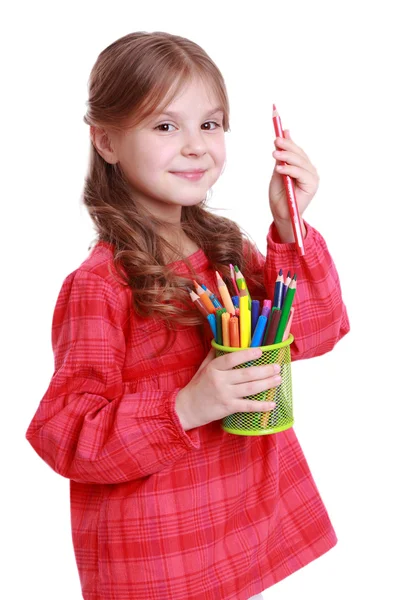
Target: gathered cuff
[[190, 438]]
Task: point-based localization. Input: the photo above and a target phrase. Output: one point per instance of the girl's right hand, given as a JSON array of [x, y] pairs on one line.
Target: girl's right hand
[[217, 390]]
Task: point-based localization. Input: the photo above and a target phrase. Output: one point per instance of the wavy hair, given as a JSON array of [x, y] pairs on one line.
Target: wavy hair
[[132, 77]]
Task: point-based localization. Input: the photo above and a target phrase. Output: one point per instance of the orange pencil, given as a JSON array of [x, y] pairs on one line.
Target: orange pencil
[[234, 332], [225, 318], [224, 293], [205, 300], [198, 304]]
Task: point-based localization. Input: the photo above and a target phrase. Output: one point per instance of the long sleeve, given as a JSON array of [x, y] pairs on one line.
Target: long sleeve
[[320, 318], [85, 427]]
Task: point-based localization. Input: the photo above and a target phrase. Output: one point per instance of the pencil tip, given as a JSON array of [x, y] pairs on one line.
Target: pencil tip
[[295, 276], [280, 272]]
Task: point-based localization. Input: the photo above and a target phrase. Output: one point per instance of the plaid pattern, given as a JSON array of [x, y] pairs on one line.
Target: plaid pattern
[[157, 512]]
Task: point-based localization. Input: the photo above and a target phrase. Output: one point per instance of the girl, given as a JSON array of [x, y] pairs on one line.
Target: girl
[[165, 505]]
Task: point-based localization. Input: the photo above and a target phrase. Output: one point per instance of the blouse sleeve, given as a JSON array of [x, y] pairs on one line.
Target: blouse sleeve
[[320, 317], [85, 428]]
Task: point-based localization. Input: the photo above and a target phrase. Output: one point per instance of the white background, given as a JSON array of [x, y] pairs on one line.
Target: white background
[[332, 71]]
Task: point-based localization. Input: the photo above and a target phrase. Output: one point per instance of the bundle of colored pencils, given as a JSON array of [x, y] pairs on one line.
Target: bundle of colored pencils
[[238, 322]]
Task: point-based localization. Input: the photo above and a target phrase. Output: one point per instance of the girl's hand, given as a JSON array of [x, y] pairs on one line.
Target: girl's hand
[[218, 390], [305, 181]]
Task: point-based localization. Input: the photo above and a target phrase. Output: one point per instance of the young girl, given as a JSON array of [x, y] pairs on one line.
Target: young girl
[[165, 505]]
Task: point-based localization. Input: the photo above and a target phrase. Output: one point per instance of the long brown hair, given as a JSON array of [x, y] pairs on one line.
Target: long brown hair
[[129, 80]]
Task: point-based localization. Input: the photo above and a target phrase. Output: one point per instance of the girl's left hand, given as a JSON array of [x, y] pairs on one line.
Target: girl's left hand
[[304, 176]]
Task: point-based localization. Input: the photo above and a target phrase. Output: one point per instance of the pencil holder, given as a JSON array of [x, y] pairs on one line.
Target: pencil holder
[[281, 417]]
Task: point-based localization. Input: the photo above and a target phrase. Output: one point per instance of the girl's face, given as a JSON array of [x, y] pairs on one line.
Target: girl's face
[[192, 138]]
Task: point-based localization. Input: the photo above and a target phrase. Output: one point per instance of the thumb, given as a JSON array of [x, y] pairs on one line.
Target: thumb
[[210, 356], [286, 134]]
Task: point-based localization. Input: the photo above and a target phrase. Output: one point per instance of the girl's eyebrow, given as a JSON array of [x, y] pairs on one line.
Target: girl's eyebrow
[[174, 114]]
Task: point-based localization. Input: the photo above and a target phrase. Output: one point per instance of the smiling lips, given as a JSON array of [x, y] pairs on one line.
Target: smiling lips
[[191, 175]]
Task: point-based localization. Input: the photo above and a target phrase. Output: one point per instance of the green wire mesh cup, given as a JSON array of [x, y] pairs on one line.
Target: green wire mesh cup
[[281, 417]]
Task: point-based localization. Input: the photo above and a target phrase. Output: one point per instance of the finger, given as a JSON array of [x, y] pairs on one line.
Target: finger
[[252, 406], [250, 388], [288, 144], [298, 173], [293, 159], [232, 359], [210, 356], [253, 373]]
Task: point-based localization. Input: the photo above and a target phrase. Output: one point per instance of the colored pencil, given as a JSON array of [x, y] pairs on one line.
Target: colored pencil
[[212, 296], [290, 193], [278, 290], [287, 305], [232, 272], [274, 322], [234, 332], [243, 317], [239, 279], [213, 325], [259, 331], [224, 293], [255, 313], [204, 299], [288, 326], [198, 304], [225, 318], [286, 285]]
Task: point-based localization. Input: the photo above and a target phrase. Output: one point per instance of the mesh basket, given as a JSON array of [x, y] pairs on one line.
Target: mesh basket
[[281, 417]]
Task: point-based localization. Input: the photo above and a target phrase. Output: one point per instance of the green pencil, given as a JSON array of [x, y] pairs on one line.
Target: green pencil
[[287, 305]]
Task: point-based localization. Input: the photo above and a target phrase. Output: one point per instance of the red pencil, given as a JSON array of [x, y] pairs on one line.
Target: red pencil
[[290, 194]]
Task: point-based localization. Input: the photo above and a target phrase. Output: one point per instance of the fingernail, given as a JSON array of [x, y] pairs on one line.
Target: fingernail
[[277, 368]]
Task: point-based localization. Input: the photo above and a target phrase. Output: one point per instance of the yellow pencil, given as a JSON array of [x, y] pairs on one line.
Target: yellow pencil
[[244, 317]]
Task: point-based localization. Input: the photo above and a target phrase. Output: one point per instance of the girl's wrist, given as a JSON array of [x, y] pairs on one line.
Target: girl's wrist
[[285, 230]]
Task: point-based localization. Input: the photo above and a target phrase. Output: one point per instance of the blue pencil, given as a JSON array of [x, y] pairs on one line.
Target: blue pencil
[[255, 313], [213, 324], [259, 332]]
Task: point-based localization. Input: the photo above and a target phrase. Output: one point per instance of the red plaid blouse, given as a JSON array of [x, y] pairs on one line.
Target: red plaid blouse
[[159, 513]]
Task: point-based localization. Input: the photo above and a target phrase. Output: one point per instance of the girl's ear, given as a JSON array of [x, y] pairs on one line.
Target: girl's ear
[[102, 143]]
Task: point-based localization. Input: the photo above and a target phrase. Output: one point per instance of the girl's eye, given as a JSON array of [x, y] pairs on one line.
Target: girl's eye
[[168, 124]]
